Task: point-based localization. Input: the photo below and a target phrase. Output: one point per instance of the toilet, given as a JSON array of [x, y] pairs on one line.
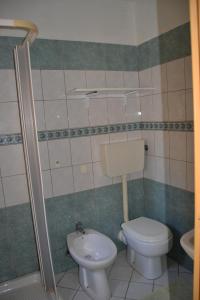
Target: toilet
[[94, 253], [148, 241]]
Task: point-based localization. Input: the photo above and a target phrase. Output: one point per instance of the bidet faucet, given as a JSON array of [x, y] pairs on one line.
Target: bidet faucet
[[79, 227]]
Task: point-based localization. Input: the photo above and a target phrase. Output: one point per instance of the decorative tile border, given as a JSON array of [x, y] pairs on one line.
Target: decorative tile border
[[76, 55], [46, 135]]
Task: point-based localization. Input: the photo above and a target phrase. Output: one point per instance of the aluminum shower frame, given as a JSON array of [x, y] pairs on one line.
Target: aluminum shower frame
[[31, 150]]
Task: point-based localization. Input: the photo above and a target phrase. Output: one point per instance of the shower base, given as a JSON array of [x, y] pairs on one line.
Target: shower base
[[24, 288]]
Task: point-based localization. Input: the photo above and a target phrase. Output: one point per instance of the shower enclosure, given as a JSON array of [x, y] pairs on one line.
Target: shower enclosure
[[31, 156]]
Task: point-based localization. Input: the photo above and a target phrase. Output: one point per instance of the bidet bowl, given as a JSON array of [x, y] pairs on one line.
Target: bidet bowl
[[92, 250]]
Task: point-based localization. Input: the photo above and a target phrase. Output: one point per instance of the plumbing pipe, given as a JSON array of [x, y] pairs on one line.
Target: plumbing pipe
[[125, 197]]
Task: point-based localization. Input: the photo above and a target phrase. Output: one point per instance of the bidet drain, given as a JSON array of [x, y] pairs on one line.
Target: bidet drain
[[88, 256]]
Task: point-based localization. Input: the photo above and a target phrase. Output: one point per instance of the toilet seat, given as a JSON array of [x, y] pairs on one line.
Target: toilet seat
[[146, 230]]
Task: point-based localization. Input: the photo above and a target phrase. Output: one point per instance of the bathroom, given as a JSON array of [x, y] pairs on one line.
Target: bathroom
[[137, 55]]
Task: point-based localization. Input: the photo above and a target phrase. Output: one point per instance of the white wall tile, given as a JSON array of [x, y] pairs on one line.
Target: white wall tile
[[146, 108], [116, 110], [132, 109], [190, 146], [178, 145], [75, 79], [134, 135], [189, 105], [12, 160], [162, 169], [150, 167], [2, 201], [95, 79], [175, 75], [81, 150], [44, 155], [149, 139], [118, 137], [55, 114], [78, 112], [188, 72], [131, 79], [176, 104], [136, 175], [157, 168], [39, 112], [114, 79], [83, 177], [160, 107], [59, 153], [9, 118], [8, 91], [53, 84], [190, 177], [162, 143], [98, 112], [37, 85], [62, 181], [159, 78], [15, 190], [99, 178], [145, 80], [178, 173], [47, 184], [96, 141]]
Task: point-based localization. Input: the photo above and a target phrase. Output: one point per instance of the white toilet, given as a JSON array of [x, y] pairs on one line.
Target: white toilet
[[94, 252], [148, 241]]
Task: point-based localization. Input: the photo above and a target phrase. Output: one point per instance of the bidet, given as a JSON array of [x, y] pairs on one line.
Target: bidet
[[94, 252]]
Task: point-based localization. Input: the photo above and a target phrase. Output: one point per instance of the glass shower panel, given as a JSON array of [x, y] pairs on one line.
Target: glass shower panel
[[18, 255]]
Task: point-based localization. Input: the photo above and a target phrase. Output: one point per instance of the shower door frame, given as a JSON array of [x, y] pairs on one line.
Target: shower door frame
[[31, 150]]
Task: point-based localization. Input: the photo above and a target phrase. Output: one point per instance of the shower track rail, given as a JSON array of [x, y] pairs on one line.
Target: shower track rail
[[31, 150]]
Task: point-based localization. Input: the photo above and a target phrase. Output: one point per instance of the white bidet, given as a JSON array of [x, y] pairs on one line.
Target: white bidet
[[94, 252]]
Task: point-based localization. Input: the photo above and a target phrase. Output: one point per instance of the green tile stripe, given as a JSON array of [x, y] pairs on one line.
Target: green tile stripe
[[72, 55], [76, 55], [45, 135], [168, 46]]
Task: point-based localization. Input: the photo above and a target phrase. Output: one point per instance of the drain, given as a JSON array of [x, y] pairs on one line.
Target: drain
[[88, 256]]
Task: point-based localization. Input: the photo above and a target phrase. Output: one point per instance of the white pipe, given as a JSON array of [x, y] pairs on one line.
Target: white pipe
[[125, 197]]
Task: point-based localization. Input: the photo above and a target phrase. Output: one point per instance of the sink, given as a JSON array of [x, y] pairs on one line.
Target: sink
[[187, 242]]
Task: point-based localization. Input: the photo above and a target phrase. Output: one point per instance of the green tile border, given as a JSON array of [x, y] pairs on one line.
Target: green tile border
[[168, 46], [45, 135], [77, 55]]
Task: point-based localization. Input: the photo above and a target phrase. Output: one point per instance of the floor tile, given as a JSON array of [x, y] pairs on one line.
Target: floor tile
[[188, 277], [138, 290], [66, 294], [121, 260], [137, 277], [121, 273], [81, 296], [166, 278], [59, 276], [172, 265], [118, 288], [70, 280]]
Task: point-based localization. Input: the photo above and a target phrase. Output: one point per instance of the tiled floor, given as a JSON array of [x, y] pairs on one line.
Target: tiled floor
[[125, 282]]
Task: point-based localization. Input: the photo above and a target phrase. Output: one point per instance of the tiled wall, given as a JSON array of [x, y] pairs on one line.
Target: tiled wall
[[71, 167]]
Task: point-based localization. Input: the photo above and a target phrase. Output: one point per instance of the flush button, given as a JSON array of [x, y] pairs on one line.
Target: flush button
[[83, 169]]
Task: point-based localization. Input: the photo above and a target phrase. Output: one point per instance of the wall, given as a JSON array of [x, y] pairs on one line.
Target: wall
[[112, 20], [160, 16], [70, 134]]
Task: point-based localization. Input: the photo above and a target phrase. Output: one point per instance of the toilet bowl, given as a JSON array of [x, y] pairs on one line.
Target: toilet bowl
[[94, 252], [148, 241]]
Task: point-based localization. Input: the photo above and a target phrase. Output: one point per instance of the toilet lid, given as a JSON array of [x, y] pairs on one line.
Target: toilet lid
[[146, 230]]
